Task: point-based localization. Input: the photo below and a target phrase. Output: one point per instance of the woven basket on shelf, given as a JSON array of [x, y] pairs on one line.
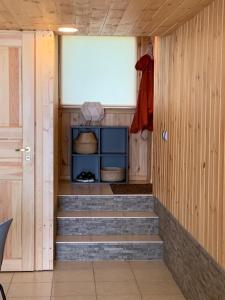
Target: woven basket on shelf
[[113, 174], [85, 143]]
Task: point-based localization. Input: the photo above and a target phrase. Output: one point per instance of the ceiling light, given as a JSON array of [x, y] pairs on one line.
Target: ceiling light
[[67, 29]]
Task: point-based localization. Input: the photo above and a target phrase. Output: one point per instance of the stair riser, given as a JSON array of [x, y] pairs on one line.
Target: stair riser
[[106, 203], [104, 251], [98, 226]]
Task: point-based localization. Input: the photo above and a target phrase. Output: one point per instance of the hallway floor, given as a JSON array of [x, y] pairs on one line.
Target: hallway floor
[[68, 188], [94, 281]]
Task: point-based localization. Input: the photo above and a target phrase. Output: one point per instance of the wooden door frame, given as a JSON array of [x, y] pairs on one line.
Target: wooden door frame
[[46, 147]]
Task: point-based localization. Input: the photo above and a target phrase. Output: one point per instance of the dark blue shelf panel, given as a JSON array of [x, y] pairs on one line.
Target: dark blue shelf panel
[[112, 151], [113, 140], [113, 154], [83, 155]]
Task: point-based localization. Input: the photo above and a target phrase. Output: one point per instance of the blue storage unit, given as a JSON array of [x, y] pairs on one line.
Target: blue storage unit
[[112, 151]]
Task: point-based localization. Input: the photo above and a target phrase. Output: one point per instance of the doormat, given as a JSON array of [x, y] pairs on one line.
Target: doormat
[[120, 189]]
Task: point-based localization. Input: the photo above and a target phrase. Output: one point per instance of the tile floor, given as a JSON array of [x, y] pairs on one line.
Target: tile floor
[[94, 281]]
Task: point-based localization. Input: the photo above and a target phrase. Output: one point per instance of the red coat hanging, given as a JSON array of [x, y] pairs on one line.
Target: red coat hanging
[[143, 118]]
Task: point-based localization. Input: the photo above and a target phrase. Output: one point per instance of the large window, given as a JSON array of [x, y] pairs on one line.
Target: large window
[[98, 69]]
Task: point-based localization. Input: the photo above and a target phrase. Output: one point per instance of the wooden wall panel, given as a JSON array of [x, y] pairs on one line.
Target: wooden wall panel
[[188, 171], [139, 154]]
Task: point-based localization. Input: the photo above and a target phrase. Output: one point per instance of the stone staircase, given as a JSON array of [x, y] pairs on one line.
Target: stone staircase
[[111, 227]]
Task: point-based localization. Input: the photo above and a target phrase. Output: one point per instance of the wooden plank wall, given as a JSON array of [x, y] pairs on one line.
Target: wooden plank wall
[[188, 172], [138, 149]]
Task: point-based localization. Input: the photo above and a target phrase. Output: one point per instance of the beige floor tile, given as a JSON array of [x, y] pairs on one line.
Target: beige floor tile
[[30, 298], [74, 275], [66, 289], [21, 277], [120, 297], [159, 287], [29, 290], [72, 265], [116, 288], [73, 298], [158, 264], [111, 265], [146, 275], [5, 287], [163, 297], [103, 274], [5, 277]]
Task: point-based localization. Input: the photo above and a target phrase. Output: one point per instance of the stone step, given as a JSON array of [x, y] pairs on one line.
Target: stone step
[[109, 247], [107, 222], [106, 203]]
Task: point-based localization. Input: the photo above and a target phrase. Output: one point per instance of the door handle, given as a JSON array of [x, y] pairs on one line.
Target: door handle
[[26, 149]]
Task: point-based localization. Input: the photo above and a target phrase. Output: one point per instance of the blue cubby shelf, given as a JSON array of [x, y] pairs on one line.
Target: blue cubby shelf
[[112, 151]]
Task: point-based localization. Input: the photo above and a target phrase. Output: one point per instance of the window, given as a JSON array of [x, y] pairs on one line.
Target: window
[[98, 69]]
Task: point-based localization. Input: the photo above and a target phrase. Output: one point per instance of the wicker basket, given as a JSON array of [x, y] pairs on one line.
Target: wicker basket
[[85, 143], [113, 174]]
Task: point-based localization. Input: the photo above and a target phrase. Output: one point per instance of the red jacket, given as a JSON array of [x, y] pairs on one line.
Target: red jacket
[[143, 118]]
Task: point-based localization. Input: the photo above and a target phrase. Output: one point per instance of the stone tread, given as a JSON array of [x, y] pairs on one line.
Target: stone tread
[[106, 214], [125, 239]]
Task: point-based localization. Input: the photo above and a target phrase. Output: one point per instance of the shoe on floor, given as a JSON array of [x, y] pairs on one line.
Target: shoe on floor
[[82, 177], [86, 177], [90, 177]]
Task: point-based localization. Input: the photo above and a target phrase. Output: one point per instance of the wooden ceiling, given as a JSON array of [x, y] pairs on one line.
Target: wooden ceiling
[[99, 17]]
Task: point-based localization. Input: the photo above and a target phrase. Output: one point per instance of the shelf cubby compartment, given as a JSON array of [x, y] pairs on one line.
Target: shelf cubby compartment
[[77, 130], [113, 140], [114, 160], [118, 161], [86, 163]]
